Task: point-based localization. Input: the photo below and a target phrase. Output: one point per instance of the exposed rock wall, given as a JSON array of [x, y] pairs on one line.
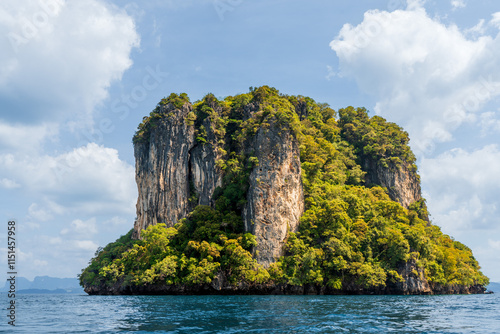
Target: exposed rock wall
[[204, 175], [275, 199], [402, 184], [175, 171], [162, 170], [413, 282]]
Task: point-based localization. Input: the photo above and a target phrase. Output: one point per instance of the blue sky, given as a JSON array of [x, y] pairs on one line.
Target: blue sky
[[76, 77]]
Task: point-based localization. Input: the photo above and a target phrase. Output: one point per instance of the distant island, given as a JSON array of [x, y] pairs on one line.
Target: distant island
[[267, 193], [45, 285], [494, 287]]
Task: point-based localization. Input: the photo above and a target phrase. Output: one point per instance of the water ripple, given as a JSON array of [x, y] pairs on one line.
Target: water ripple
[[256, 314]]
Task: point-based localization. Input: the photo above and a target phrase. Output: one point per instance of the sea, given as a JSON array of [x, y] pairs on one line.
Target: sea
[[253, 314]]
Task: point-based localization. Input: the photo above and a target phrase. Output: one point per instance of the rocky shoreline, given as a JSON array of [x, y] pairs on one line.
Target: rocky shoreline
[[220, 286], [271, 289]]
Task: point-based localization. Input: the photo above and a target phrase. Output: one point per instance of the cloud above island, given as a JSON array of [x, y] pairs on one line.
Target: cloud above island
[[60, 58], [463, 188], [427, 76]]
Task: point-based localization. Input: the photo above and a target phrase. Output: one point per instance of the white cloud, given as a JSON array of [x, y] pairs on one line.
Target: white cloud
[[81, 228], [26, 138], [489, 123], [91, 179], [53, 256], [87, 245], [117, 221], [8, 184], [24, 256], [31, 226], [495, 20], [494, 244], [55, 241], [181, 4], [331, 73], [37, 213], [462, 188], [59, 59], [428, 77], [487, 255], [40, 263], [478, 29], [412, 4], [458, 4]]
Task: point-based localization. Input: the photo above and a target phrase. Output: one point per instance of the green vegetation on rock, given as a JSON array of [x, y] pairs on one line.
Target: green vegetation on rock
[[151, 121], [350, 235], [192, 252]]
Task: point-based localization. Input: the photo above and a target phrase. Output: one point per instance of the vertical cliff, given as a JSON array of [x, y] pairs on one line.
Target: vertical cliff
[[402, 184], [162, 169], [204, 175], [179, 165], [383, 152], [175, 167], [275, 199]]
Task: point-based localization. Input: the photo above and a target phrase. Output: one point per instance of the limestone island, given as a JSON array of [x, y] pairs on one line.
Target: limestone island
[[266, 193]]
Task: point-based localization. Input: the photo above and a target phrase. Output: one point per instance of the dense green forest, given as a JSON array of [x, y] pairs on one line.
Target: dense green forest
[[350, 233]]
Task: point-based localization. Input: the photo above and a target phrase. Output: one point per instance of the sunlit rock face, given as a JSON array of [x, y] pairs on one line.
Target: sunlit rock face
[[275, 197], [403, 185], [162, 170], [176, 171]]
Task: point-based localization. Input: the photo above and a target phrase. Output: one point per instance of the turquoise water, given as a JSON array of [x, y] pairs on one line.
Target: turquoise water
[[254, 314]]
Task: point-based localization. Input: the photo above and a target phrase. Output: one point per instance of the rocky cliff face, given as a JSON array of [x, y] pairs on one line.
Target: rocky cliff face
[[402, 184], [275, 199], [414, 282], [176, 170], [204, 175], [162, 170]]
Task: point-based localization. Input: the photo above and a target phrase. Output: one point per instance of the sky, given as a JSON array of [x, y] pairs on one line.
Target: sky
[[77, 77]]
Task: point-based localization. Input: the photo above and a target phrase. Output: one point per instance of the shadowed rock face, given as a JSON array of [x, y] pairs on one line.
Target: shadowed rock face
[[204, 175], [275, 197], [175, 172], [414, 282], [162, 169], [402, 184]]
